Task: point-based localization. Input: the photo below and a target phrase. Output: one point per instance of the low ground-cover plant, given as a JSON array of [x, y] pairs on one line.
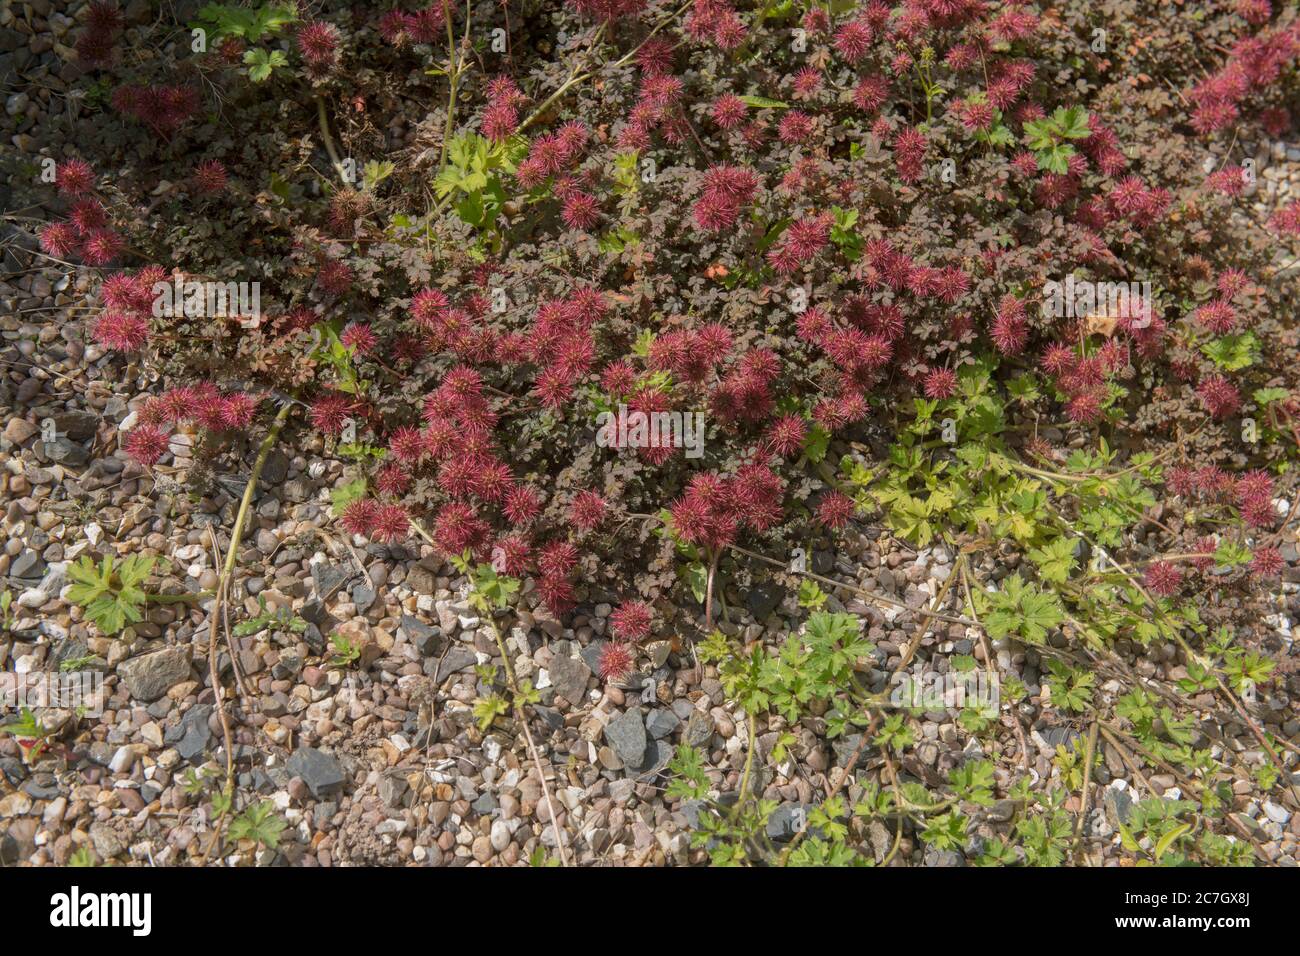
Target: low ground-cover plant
[[805, 318], [111, 591], [838, 235]]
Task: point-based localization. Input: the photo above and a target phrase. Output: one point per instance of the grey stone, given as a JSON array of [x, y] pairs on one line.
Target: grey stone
[[591, 654], [65, 451], [621, 791], [27, 565], [363, 595], [76, 425], [458, 659], [12, 769], [1118, 805], [296, 490], [313, 612], [661, 722], [10, 851], [68, 650], [150, 676], [569, 675], [1001, 811], [763, 599], [692, 810], [626, 734], [42, 790], [275, 469], [699, 728], [191, 735], [421, 580], [327, 578], [288, 667], [1276, 813], [56, 576], [105, 840], [1055, 737], [391, 790], [423, 636], [657, 756], [948, 858], [321, 772], [553, 719], [785, 821]]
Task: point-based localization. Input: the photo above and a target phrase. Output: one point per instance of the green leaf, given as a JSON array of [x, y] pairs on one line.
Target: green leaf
[[690, 781], [811, 595], [488, 709], [1169, 839], [1233, 352], [261, 63], [762, 102], [344, 495], [1038, 134], [1073, 122], [1056, 159], [1055, 560], [696, 576], [1230, 555], [251, 25], [109, 592], [1023, 611], [259, 823], [616, 240], [1024, 387], [1127, 840], [1267, 396], [375, 173], [278, 186], [815, 443]]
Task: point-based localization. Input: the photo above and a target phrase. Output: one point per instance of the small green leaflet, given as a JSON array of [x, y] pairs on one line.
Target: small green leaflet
[[343, 496], [1228, 555], [1055, 159], [641, 347], [375, 173], [259, 823], [762, 102], [1024, 387], [1021, 610], [1054, 560], [251, 25], [695, 575], [616, 240], [815, 443], [110, 593], [1048, 137], [1267, 396], [1232, 352], [260, 63]]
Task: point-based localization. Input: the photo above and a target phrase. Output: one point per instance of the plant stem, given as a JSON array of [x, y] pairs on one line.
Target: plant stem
[[575, 78], [263, 452], [1088, 756], [453, 78], [220, 614], [330, 148], [749, 758], [522, 716], [708, 590]]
